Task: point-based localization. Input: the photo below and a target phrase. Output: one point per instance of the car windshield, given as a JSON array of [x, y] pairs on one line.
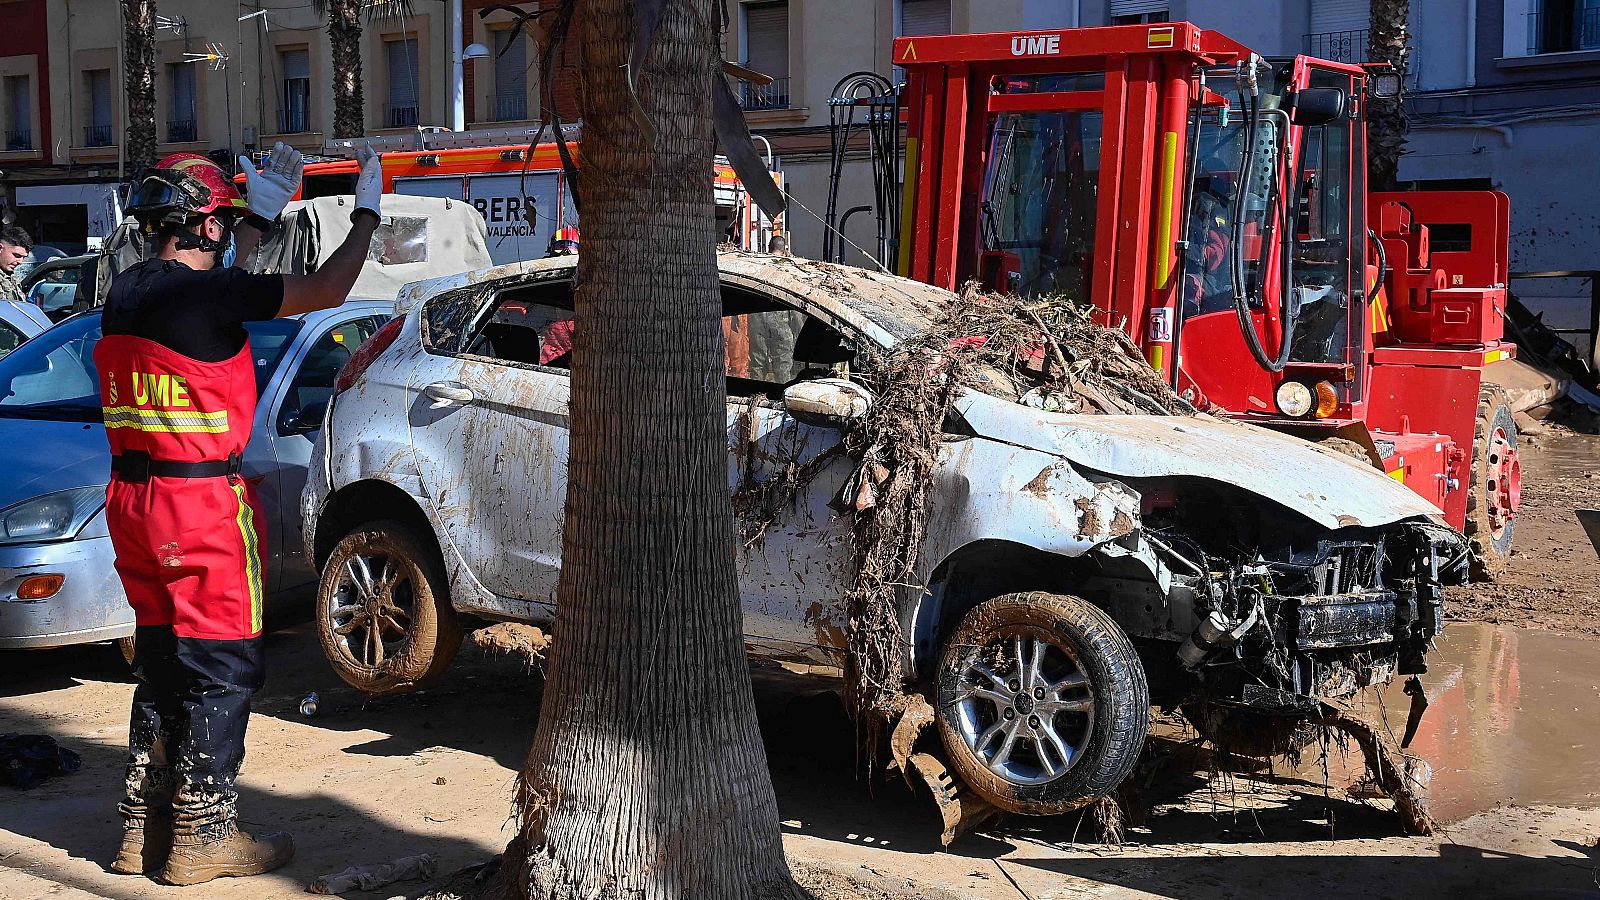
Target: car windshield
[[53, 375]]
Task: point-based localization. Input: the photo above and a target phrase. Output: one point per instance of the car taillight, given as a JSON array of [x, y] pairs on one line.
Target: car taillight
[[365, 354]]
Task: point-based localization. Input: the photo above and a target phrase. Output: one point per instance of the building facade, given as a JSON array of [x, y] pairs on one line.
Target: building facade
[[62, 98]]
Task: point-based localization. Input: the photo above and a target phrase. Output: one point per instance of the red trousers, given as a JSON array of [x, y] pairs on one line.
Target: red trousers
[[190, 551]]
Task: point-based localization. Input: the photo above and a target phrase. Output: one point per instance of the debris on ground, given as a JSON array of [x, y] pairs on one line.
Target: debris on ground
[[1389, 769], [513, 639], [28, 760], [370, 878]]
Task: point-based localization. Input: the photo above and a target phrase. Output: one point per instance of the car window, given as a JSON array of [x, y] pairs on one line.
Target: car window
[[522, 332], [10, 337], [313, 381]]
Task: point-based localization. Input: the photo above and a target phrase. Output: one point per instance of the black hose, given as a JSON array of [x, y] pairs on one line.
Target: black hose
[[1383, 265], [1241, 296]]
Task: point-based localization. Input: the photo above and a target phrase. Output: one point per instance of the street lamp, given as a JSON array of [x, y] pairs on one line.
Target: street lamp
[[458, 77]]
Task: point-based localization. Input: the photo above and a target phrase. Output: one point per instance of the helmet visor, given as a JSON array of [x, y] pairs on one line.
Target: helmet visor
[[166, 189], [563, 248]]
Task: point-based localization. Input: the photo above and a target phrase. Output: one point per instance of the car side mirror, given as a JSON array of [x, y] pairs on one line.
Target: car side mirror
[[827, 402], [1318, 105], [306, 420]]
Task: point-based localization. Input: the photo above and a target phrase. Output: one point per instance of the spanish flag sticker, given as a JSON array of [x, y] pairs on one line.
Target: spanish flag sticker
[[1160, 38]]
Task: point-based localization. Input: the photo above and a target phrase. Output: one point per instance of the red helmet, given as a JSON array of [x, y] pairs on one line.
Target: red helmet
[[564, 242], [184, 185]]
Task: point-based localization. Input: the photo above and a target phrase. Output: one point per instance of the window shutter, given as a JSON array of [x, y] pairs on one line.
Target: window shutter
[[924, 17], [296, 64], [766, 38], [511, 68], [1340, 15], [1137, 7], [182, 93], [100, 98], [403, 73]]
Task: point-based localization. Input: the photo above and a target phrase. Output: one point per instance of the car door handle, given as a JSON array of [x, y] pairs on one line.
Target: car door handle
[[448, 393]]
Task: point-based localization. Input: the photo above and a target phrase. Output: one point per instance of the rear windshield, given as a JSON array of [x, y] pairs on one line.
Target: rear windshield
[[53, 375]]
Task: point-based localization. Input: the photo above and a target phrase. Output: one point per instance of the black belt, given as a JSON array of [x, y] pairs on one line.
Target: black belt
[[137, 466]]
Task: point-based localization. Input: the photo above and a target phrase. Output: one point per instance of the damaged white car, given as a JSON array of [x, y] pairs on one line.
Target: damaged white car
[[1078, 567]]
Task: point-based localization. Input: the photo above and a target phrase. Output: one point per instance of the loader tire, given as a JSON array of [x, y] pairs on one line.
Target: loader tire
[[1494, 485], [383, 610], [1053, 726]]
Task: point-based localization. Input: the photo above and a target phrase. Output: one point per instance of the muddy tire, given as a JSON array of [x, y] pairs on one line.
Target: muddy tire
[[1494, 483], [1246, 732], [383, 610], [1042, 704]]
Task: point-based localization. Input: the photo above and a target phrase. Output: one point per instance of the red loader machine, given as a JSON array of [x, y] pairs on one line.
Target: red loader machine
[[1214, 204]]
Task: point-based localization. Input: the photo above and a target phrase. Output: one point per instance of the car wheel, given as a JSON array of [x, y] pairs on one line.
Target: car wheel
[[1494, 486], [1043, 703], [383, 610], [1249, 732]]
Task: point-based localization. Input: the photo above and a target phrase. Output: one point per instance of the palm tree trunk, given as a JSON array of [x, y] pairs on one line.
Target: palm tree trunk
[[344, 37], [1386, 119], [139, 71], [647, 777]]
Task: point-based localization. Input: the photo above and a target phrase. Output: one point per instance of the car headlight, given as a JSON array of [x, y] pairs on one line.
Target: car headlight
[[50, 517]]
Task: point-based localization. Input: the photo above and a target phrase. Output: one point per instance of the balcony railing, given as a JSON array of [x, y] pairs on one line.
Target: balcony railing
[[397, 116], [181, 131], [97, 136], [510, 108], [293, 121], [1562, 32], [1338, 46], [765, 96], [20, 139]]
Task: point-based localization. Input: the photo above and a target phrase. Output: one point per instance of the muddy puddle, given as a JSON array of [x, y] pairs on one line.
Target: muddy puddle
[[1515, 718], [1564, 455]]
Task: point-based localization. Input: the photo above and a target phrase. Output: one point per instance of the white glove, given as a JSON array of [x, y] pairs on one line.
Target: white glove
[[273, 187], [369, 184]]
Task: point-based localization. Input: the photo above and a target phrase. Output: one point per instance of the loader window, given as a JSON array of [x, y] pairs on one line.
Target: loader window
[[1322, 245], [1040, 191]]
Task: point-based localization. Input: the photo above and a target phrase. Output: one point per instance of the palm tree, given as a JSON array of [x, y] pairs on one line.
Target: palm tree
[[344, 40], [1390, 37], [139, 75], [647, 776]]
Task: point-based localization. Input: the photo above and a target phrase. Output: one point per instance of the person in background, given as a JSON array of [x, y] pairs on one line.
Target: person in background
[[564, 242], [15, 245], [778, 244]]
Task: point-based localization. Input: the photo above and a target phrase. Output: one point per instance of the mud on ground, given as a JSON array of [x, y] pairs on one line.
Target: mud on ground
[[1553, 581]]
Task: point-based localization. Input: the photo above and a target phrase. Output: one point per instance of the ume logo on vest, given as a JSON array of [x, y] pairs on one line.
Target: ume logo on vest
[[1036, 45]]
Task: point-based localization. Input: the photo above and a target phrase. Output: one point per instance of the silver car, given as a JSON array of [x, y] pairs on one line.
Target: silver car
[[1077, 567], [57, 582]]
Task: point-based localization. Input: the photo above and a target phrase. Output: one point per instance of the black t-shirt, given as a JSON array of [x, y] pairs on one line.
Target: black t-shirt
[[200, 314]]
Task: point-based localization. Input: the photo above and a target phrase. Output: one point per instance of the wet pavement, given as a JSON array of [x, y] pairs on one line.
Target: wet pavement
[[1514, 719]]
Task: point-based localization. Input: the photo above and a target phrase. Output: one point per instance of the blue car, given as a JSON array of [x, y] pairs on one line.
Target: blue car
[[58, 585]]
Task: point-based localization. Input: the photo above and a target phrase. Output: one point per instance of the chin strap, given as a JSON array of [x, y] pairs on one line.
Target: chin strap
[[189, 240]]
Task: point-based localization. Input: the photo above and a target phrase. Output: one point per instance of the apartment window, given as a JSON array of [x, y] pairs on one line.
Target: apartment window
[[97, 133], [510, 75], [181, 105], [1339, 30], [1561, 26], [294, 113], [402, 110], [19, 113], [766, 49], [1138, 12]]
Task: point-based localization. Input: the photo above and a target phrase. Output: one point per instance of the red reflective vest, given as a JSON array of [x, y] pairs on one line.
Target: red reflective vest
[[189, 550]]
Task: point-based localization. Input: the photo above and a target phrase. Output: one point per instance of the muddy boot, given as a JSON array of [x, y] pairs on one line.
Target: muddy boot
[[146, 826], [207, 842]]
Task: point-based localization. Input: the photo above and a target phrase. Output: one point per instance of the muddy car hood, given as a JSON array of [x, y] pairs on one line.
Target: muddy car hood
[[1333, 490]]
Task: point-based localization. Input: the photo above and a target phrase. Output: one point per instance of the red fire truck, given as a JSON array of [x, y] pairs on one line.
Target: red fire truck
[[1214, 204]]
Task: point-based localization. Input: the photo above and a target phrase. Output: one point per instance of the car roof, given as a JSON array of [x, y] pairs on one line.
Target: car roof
[[886, 307]]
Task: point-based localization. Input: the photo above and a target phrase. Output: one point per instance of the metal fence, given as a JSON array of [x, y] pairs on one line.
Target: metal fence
[[293, 121], [20, 139], [181, 131], [765, 96], [1338, 46], [97, 136], [1564, 31], [400, 116]]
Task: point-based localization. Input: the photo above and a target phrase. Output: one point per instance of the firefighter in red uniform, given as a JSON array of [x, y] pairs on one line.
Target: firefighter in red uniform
[[178, 386]]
